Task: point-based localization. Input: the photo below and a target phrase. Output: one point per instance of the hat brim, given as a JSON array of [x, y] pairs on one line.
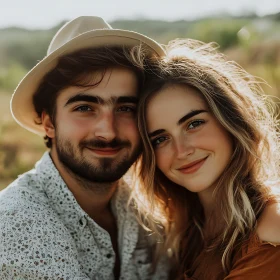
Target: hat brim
[[22, 107]]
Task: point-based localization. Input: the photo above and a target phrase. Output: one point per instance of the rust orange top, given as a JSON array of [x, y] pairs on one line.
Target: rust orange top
[[256, 260]]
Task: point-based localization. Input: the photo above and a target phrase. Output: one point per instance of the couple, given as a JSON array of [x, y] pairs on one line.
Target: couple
[[202, 147]]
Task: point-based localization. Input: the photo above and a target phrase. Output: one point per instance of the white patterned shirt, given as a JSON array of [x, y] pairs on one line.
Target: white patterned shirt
[[45, 234]]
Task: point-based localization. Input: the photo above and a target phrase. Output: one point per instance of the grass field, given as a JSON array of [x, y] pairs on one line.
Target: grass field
[[19, 149]]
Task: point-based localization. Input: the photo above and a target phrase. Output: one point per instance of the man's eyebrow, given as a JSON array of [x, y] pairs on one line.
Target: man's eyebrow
[[84, 97], [127, 99], [190, 115], [101, 101], [156, 132]]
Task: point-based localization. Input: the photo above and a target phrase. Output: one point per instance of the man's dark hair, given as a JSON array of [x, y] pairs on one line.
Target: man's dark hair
[[74, 70]]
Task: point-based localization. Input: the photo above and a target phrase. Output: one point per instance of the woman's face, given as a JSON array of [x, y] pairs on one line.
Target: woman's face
[[191, 147]]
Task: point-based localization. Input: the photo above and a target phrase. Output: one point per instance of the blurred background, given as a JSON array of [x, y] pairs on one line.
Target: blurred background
[[247, 32]]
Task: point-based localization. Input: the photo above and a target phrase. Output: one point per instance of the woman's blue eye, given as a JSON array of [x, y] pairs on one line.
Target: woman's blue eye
[[195, 124], [159, 140]]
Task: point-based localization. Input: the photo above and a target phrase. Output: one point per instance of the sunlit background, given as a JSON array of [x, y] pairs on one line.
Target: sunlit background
[[247, 31]]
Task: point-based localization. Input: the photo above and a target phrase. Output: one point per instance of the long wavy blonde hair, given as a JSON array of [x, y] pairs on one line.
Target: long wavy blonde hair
[[236, 99]]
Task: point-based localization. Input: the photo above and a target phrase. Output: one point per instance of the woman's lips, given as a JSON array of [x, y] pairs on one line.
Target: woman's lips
[[192, 167]]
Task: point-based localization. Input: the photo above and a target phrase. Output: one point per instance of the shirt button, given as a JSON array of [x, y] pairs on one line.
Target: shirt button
[[83, 222], [109, 256]]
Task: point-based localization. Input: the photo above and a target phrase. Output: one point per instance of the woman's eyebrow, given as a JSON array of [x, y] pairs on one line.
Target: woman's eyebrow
[[182, 120], [156, 132], [190, 115]]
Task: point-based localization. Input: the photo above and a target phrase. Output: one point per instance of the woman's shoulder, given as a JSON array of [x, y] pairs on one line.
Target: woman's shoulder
[[268, 228]]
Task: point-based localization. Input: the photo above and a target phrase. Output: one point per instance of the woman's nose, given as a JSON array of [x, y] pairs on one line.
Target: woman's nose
[[184, 147]]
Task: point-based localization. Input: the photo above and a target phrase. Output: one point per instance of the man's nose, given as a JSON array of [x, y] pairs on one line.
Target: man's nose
[[105, 128]]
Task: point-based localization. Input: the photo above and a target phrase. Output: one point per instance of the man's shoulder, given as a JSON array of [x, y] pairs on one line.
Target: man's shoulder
[[34, 241], [25, 200], [34, 238], [29, 188], [25, 192], [28, 221]]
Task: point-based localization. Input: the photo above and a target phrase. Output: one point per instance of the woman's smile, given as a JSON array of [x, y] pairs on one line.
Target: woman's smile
[[193, 166]]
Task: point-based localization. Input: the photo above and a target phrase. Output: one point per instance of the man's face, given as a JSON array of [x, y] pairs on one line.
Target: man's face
[[96, 135]]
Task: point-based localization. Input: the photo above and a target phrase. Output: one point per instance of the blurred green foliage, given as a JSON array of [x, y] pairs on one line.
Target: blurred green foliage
[[11, 75], [21, 49]]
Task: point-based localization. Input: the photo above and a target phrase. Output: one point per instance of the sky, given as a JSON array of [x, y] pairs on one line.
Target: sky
[[39, 14]]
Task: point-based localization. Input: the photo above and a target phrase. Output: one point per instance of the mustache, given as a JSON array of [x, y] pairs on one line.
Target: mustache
[[115, 143]]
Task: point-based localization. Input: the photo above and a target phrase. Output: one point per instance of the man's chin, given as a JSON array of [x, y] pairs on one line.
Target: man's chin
[[102, 170]]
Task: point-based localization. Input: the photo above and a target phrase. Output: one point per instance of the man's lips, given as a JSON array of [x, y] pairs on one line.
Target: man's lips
[[105, 151], [192, 167]]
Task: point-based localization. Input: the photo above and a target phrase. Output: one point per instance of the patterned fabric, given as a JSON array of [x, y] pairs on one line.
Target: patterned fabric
[[45, 234]]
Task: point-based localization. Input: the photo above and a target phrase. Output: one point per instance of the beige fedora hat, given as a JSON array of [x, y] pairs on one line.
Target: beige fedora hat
[[80, 33]]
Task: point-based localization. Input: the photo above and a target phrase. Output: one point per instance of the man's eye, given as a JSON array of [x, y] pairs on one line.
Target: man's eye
[[157, 141], [195, 124], [128, 109], [83, 108]]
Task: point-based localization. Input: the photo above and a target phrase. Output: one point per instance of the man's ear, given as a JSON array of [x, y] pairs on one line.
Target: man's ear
[[48, 125]]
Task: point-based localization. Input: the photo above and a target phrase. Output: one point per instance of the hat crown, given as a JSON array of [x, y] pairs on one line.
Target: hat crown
[[75, 28]]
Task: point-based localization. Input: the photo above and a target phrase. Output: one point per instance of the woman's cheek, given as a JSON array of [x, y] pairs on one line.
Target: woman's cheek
[[162, 158]]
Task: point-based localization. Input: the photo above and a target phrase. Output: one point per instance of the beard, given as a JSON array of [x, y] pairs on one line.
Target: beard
[[102, 170]]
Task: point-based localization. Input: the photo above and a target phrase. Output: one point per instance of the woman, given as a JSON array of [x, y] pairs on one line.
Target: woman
[[210, 167]]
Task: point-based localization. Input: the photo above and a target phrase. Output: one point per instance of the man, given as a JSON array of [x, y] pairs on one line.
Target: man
[[67, 218]]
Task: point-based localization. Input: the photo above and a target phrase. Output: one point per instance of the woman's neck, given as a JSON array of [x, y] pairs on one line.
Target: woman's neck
[[207, 201], [213, 217]]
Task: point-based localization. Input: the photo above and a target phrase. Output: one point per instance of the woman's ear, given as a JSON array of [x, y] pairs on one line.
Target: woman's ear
[[48, 125]]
